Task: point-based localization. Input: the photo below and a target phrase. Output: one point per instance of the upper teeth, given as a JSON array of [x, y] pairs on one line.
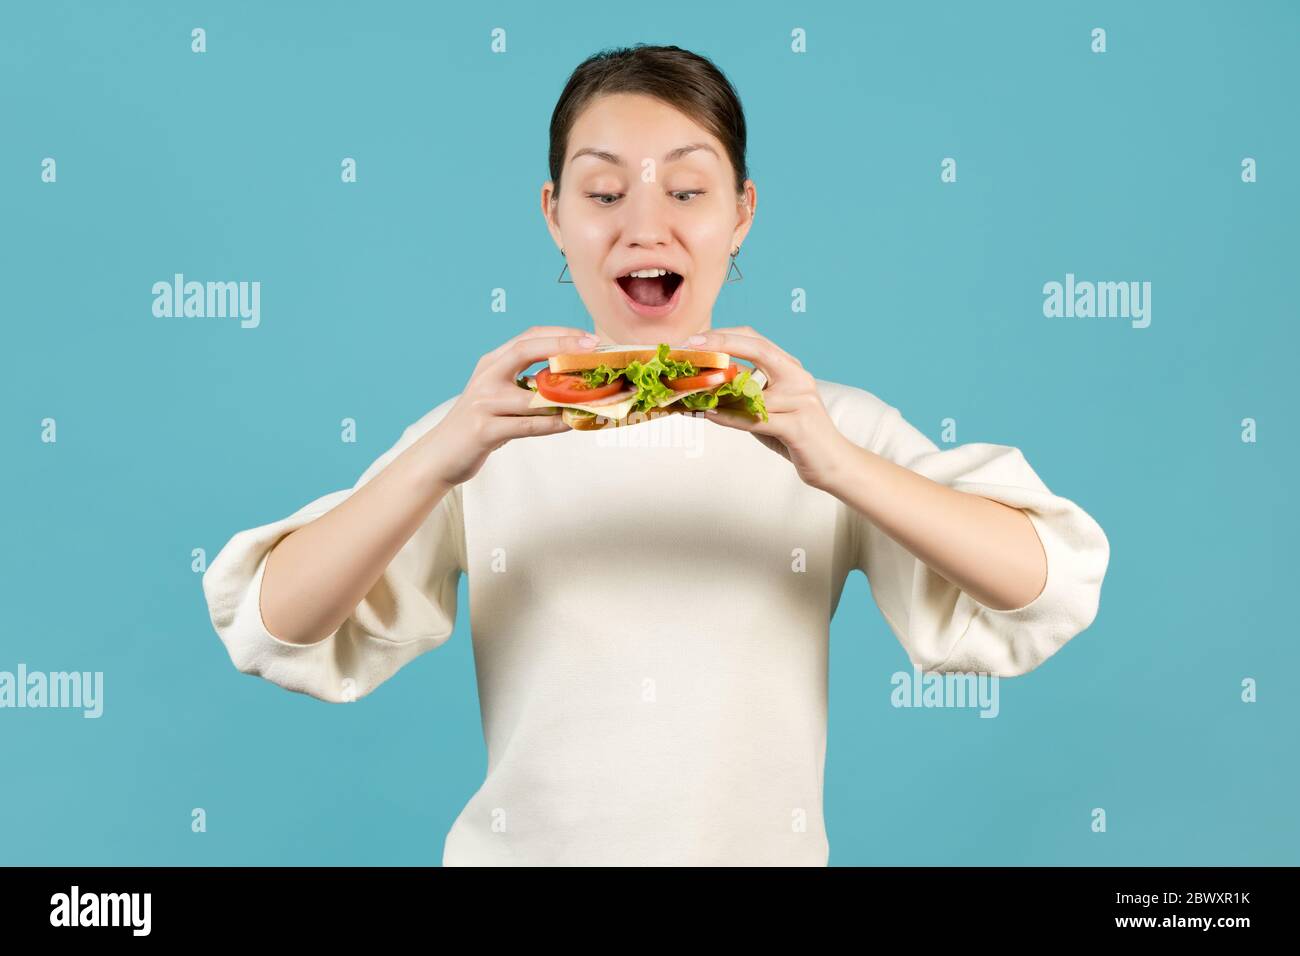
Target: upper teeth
[[648, 273]]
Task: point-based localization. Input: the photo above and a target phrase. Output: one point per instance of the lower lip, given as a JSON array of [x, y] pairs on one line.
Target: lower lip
[[652, 311]]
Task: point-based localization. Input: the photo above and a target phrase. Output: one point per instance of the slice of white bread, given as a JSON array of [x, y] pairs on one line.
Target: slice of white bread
[[620, 356]]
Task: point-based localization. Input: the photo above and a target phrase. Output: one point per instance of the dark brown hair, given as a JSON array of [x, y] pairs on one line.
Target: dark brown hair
[[683, 80]]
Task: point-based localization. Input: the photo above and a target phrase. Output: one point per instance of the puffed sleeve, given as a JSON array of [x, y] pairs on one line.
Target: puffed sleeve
[[411, 608], [941, 627]]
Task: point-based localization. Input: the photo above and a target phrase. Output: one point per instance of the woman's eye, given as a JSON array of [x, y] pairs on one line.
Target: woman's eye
[[613, 197]]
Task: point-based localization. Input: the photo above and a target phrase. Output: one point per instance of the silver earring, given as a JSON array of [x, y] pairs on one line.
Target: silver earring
[[734, 252], [562, 271]]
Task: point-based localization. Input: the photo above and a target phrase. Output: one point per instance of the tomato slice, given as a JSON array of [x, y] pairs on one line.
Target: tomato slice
[[570, 387], [710, 378]]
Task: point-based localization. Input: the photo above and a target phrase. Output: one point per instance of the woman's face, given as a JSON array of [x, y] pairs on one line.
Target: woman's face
[[636, 195]]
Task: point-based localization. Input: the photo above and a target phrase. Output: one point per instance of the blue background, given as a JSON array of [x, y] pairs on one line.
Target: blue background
[[175, 433]]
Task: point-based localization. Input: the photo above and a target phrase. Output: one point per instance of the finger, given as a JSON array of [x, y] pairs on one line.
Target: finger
[[777, 401], [754, 349], [762, 353], [521, 353], [517, 401], [741, 419], [754, 333], [540, 330], [507, 427]]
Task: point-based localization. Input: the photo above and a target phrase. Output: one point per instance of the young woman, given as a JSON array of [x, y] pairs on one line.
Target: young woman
[[650, 625]]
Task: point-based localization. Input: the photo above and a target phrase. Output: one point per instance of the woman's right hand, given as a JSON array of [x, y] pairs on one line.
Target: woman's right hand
[[317, 575], [492, 409]]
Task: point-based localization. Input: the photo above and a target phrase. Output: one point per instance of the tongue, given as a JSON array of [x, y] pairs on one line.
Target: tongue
[[647, 291]]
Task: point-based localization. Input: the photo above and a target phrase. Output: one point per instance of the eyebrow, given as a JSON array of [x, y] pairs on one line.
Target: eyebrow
[[669, 157]]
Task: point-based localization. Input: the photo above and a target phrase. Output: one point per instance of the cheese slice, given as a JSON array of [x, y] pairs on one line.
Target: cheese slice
[[613, 411]]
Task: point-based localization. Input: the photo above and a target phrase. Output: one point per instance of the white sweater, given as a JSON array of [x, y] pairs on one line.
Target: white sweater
[[650, 611]]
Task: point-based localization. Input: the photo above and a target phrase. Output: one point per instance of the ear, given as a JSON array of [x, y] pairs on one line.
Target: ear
[[549, 209], [746, 206]]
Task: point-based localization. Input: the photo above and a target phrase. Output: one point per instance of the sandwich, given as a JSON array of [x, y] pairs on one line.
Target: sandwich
[[616, 385]]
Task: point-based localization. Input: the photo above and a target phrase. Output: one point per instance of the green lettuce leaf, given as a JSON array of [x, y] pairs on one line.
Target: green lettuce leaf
[[600, 375], [651, 392], [700, 401], [748, 390]]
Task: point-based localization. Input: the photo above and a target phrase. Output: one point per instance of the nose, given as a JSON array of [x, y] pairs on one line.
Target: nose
[[647, 223]]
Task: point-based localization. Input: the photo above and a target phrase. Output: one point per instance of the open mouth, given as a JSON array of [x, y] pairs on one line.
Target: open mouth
[[651, 292]]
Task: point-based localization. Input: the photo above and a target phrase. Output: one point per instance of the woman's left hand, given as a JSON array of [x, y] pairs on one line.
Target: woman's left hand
[[798, 427]]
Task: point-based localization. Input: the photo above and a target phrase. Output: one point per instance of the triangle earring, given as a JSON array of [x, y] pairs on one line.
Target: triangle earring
[[562, 271], [734, 268]]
